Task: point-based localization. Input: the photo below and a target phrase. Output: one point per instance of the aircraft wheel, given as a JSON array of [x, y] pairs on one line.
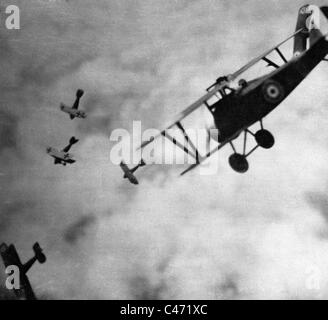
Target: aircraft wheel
[[264, 139], [238, 162], [273, 91]]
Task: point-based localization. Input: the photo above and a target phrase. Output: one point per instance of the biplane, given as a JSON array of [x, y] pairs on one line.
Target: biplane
[[10, 258], [63, 156], [237, 109], [73, 112], [129, 173]]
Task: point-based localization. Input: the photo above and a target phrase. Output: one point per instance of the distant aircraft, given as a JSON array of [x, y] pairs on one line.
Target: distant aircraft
[[128, 173], [73, 111], [63, 157], [10, 258], [238, 108]]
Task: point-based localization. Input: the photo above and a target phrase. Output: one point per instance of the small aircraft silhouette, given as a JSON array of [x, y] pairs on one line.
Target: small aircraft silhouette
[[238, 108], [73, 111], [128, 173], [63, 157], [10, 258]]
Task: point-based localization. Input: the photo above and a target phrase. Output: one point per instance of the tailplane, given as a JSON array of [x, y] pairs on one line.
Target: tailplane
[[73, 140], [39, 255]]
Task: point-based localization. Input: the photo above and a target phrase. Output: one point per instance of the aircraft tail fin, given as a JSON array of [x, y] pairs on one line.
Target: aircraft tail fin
[[40, 256], [79, 93], [73, 140], [308, 20]]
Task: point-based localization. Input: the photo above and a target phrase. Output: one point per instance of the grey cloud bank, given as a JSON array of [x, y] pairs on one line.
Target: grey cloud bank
[[262, 235]]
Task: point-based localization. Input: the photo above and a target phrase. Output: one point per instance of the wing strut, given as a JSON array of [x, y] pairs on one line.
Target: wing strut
[[179, 125], [281, 55], [270, 63], [202, 159]]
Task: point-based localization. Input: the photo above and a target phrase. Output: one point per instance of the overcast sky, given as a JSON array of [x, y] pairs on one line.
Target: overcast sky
[[259, 235]]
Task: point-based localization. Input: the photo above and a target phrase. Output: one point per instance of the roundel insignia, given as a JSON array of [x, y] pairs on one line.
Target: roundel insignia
[[273, 91]]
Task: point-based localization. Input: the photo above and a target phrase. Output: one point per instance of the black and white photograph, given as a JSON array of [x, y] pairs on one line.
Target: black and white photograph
[[163, 150]]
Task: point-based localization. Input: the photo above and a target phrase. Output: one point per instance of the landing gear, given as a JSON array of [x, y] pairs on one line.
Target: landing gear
[[264, 139], [273, 91], [238, 162]]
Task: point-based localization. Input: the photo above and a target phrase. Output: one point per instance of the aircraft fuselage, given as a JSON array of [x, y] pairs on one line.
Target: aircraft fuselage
[[60, 156], [73, 112]]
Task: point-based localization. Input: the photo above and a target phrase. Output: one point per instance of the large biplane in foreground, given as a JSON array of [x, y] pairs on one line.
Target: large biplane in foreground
[[239, 108]]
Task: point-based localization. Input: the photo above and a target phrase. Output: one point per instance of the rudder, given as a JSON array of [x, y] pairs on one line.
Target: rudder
[[308, 20]]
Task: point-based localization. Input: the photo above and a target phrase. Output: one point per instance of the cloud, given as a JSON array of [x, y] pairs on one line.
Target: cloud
[[78, 229], [8, 131]]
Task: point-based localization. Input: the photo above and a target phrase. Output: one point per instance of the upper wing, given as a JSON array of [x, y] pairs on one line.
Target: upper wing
[[5, 256], [214, 90], [124, 167], [187, 111]]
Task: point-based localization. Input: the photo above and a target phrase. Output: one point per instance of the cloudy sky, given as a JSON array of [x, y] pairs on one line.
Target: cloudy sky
[[262, 235]]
